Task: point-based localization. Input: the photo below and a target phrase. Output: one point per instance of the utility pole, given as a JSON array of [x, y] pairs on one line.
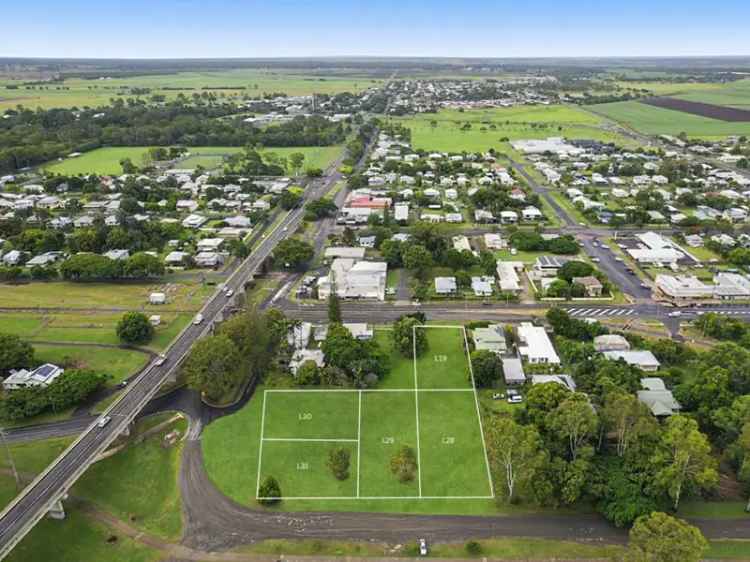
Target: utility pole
[[10, 460]]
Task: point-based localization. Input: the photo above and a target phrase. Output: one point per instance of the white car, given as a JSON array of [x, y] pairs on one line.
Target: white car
[[104, 420], [422, 547], [517, 399], [160, 360], [198, 319], [229, 293], [675, 314]]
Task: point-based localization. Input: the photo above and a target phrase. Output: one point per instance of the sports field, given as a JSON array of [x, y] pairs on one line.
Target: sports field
[[435, 413], [447, 130]]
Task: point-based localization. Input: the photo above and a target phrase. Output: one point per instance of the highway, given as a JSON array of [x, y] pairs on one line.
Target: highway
[[20, 516]]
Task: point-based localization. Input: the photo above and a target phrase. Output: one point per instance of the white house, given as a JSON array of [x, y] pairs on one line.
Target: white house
[[40, 377], [535, 345]]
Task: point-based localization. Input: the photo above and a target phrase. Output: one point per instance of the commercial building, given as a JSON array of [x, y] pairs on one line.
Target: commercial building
[[535, 345]]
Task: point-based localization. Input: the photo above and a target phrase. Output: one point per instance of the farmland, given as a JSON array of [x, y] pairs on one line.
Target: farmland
[[701, 109], [732, 94], [77, 92], [446, 130], [655, 121], [106, 161]]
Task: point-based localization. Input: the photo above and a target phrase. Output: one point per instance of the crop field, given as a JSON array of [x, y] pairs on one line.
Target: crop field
[[429, 405], [712, 111], [655, 121], [77, 92], [445, 131], [730, 94]]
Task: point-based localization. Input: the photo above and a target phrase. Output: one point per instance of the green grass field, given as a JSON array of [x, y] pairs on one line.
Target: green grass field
[[140, 484], [184, 295], [118, 363], [523, 122], [233, 83], [296, 428], [106, 161], [102, 161], [656, 120]]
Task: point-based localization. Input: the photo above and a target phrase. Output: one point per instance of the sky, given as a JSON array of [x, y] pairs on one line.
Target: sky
[[439, 28]]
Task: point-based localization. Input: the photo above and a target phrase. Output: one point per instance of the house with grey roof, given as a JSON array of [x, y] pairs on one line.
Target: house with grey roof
[[659, 400]]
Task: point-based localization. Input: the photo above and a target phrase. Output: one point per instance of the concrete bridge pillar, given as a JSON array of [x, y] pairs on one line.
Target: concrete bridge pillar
[[57, 511]]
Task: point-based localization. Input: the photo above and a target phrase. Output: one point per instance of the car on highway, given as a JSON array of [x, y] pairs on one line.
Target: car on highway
[[595, 260], [229, 293], [198, 319], [160, 360], [675, 314], [619, 260], [645, 286], [422, 547], [103, 421]]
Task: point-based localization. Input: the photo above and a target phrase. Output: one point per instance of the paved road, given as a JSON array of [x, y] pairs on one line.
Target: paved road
[[214, 522]]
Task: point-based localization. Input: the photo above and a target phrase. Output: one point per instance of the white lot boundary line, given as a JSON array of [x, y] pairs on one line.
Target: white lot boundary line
[[390, 498], [308, 439], [351, 390], [260, 447], [359, 435], [416, 408], [479, 416]]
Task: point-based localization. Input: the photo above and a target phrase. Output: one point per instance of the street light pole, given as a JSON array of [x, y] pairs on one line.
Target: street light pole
[[10, 460]]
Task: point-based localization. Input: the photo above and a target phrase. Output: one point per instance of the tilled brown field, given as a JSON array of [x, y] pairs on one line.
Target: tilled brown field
[[711, 111]]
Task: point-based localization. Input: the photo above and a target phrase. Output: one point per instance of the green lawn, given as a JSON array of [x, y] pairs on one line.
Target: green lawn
[[327, 414], [213, 156], [103, 161], [445, 363], [118, 363], [183, 295], [729, 550], [140, 484], [656, 120], [78, 539], [300, 427]]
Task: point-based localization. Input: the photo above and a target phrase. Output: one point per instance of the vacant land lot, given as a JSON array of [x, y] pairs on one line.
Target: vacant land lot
[[712, 111], [76, 92], [185, 295], [299, 427], [102, 161], [106, 161], [448, 131], [655, 121]]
